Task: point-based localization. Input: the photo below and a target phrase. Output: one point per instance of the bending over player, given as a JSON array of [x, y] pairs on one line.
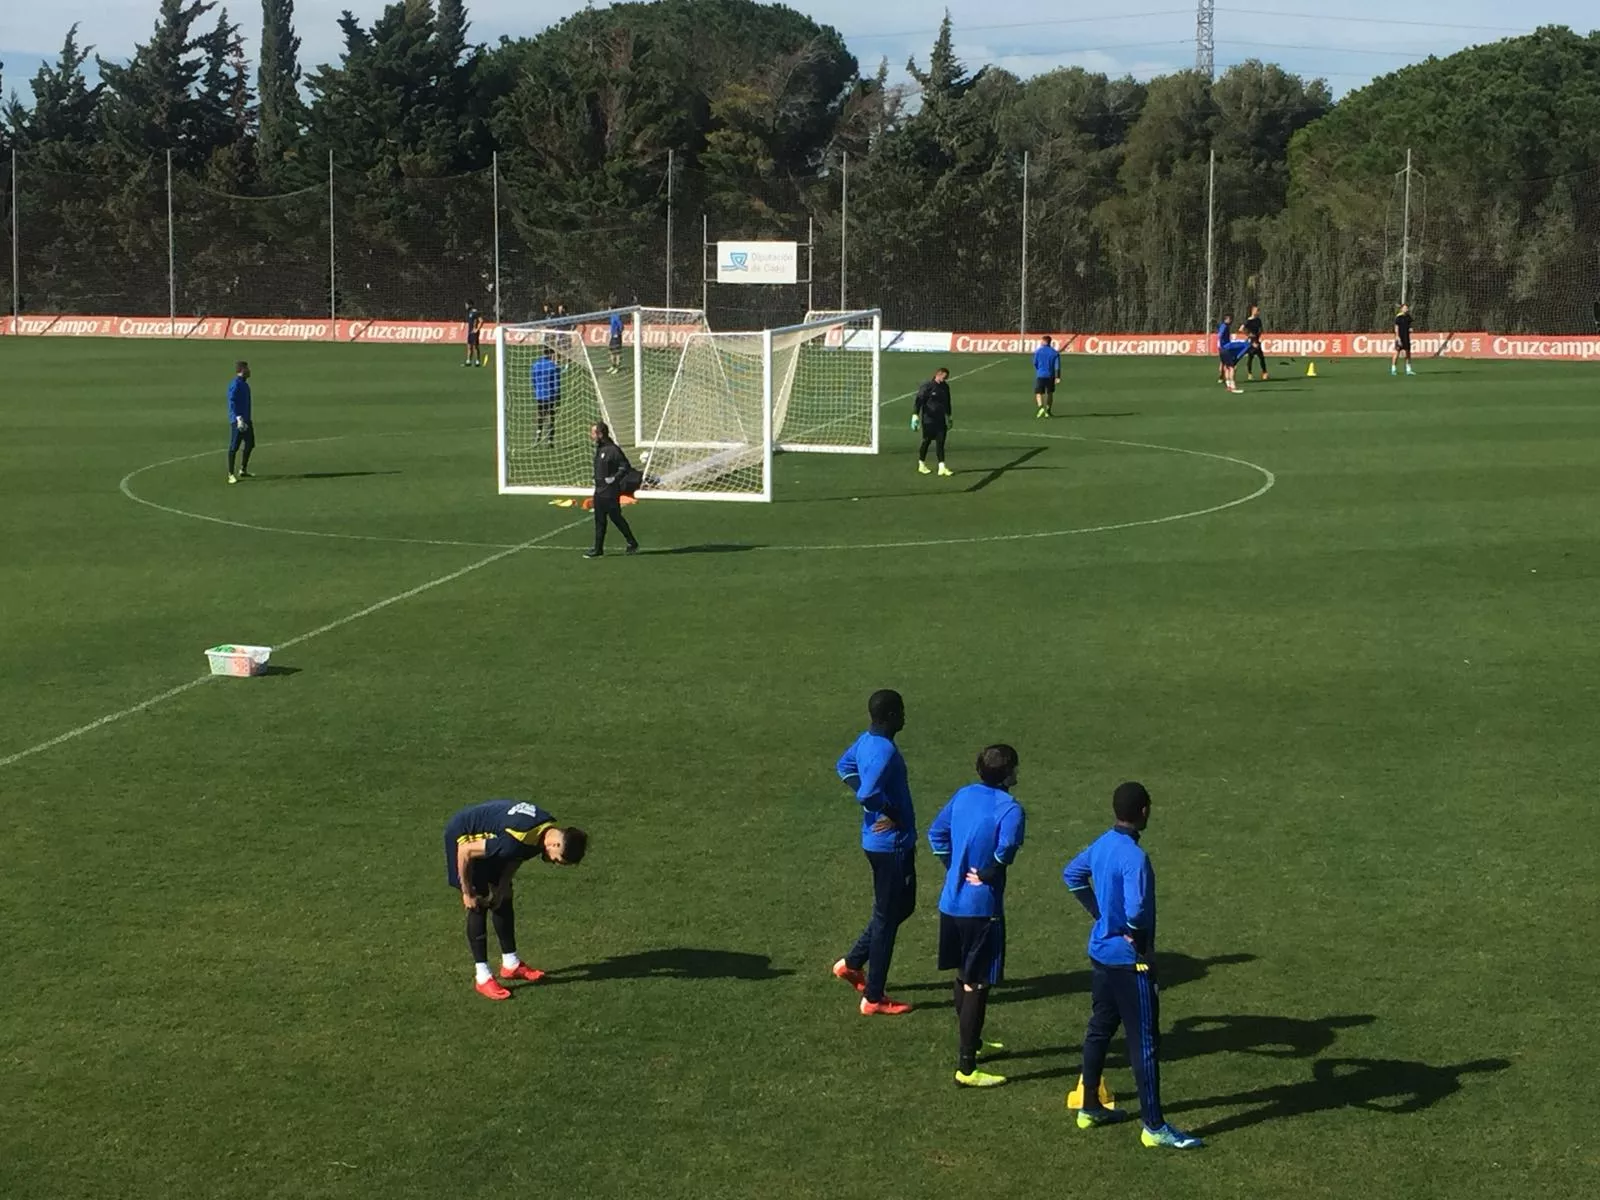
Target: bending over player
[[484, 845]]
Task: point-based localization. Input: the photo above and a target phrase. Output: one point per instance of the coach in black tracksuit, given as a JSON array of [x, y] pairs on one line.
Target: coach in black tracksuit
[[611, 472], [931, 412]]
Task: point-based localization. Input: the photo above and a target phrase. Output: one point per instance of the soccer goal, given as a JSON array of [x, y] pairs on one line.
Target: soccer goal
[[708, 408], [543, 417]]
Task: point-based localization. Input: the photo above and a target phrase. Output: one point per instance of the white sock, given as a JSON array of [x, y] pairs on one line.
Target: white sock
[[510, 961], [482, 971]]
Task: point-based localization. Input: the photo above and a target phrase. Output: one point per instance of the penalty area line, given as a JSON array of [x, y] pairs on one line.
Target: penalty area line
[[399, 597]]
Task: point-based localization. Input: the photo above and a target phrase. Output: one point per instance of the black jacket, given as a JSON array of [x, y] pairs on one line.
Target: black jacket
[[611, 465], [933, 403]]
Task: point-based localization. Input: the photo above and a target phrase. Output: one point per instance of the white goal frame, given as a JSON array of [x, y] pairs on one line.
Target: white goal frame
[[870, 333]]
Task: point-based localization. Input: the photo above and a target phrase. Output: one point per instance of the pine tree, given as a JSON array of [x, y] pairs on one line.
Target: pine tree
[[150, 105], [282, 112], [64, 105]]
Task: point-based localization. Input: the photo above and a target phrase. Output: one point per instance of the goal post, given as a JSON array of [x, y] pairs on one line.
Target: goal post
[[828, 396], [709, 409], [542, 441]]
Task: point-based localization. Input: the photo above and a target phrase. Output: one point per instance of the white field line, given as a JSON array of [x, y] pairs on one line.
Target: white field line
[[408, 594]]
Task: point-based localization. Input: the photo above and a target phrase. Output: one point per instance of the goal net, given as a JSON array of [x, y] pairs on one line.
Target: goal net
[[827, 398], [543, 412], [708, 409]]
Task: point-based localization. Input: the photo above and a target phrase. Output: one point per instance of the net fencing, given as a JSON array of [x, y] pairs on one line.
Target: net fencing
[[1027, 244], [825, 396]]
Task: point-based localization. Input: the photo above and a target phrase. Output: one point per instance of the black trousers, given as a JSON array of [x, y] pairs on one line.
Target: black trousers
[[894, 898], [1254, 354], [1130, 998], [246, 438], [608, 507], [932, 435]]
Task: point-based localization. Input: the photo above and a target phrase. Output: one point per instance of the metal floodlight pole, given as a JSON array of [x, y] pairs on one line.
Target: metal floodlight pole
[[494, 170], [1405, 233], [705, 276], [671, 161], [172, 263], [1022, 307]]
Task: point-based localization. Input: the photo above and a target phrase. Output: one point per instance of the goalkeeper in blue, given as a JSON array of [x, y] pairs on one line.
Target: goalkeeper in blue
[[241, 424], [1116, 885], [976, 836], [545, 376], [1046, 374]]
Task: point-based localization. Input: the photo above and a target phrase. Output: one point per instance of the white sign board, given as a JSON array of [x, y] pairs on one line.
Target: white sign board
[[758, 262]]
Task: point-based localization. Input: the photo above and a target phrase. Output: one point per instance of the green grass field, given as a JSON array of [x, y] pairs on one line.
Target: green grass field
[[1364, 702]]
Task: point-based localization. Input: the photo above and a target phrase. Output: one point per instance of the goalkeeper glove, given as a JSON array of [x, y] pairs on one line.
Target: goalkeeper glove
[[915, 424]]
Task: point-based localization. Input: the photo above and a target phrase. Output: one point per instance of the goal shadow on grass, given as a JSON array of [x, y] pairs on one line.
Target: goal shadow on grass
[[677, 962]]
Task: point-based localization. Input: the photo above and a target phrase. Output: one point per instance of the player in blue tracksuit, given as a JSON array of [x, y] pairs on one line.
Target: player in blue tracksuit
[[1116, 885], [1229, 351], [241, 424], [484, 844], [1046, 374], [976, 835], [614, 343], [545, 376], [873, 769]]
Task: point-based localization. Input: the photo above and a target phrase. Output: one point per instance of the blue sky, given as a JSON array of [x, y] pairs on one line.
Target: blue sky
[[1347, 42]]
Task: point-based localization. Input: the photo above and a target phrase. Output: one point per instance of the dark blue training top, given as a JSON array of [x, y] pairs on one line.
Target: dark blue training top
[[980, 829], [1047, 363], [238, 399], [1114, 880], [873, 768]]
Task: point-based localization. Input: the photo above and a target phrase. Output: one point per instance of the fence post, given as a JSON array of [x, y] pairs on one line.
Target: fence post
[[172, 260], [333, 280], [844, 227], [494, 177], [16, 270], [671, 161], [1211, 213], [1022, 313]]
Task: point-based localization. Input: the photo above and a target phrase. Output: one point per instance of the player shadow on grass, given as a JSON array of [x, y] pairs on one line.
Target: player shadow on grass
[[678, 962], [706, 548], [1384, 1085], [1173, 970], [1195, 1037]]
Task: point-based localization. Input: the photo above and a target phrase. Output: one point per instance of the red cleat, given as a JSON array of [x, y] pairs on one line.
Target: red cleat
[[883, 1008], [850, 975], [492, 990], [521, 971]]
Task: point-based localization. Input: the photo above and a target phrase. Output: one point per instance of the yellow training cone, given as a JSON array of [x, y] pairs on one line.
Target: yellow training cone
[[1311, 370], [1075, 1096]]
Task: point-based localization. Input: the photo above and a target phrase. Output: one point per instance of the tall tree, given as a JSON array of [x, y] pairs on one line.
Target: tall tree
[[282, 112], [64, 110], [150, 105], [223, 127]]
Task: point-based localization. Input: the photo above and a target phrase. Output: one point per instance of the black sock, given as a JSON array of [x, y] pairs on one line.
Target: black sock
[[478, 934], [505, 927]]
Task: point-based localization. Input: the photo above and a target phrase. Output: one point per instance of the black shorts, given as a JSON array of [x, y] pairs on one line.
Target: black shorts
[[935, 426], [973, 947], [1402, 345], [547, 406], [615, 343], [1045, 385], [472, 339]]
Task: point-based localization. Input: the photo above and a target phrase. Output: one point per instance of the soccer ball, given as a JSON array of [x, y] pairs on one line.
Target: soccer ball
[[645, 457]]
